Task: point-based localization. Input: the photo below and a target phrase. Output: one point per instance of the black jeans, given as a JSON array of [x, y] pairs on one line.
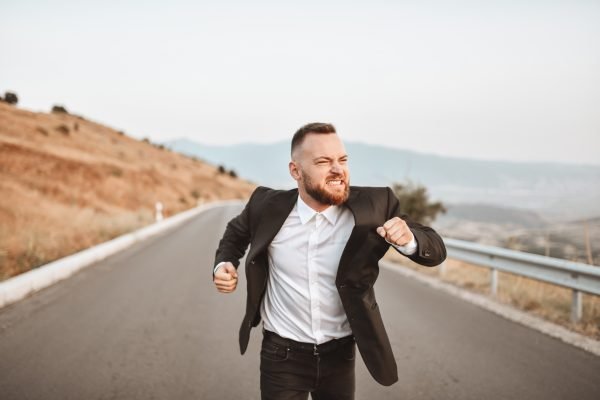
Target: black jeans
[[290, 370]]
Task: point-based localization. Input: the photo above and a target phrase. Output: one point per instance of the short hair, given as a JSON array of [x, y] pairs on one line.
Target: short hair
[[313, 127]]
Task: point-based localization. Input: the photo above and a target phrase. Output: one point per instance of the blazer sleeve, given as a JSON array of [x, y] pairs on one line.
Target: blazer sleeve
[[236, 238], [431, 250]]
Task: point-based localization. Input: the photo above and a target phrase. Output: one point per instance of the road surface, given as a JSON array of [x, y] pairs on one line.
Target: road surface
[[148, 324]]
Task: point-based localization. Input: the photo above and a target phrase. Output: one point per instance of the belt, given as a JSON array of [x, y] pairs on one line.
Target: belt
[[303, 347]]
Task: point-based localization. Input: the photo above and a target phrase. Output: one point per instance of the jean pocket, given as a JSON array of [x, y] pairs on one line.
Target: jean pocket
[[274, 352], [349, 351]]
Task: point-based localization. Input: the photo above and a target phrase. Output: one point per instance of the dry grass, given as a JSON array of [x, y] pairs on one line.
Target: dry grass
[[67, 183], [41, 244], [545, 300]]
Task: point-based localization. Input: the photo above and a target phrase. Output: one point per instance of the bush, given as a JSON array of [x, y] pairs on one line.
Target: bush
[[414, 201], [232, 174], [63, 129], [42, 130], [116, 171], [59, 109], [11, 98], [221, 169]]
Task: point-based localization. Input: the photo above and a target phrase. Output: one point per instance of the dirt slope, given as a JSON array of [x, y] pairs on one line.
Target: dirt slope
[[67, 183]]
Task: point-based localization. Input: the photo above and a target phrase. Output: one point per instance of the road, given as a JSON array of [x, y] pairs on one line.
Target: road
[[148, 324]]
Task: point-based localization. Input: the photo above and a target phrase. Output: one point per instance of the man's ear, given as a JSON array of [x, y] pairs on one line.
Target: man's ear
[[294, 172]]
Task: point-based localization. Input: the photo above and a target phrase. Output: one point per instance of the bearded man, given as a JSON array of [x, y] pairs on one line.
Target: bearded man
[[310, 271]]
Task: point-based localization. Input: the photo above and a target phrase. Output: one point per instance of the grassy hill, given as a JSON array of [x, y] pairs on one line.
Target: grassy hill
[[67, 183]]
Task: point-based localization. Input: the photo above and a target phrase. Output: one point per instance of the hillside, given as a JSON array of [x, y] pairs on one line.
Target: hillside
[[67, 183]]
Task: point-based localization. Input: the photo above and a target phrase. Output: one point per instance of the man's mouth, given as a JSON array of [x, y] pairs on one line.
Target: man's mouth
[[336, 182]]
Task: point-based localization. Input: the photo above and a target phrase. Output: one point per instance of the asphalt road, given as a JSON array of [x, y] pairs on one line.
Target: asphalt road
[[148, 324]]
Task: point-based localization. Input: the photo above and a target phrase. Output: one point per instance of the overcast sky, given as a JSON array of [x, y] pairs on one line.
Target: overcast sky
[[510, 80]]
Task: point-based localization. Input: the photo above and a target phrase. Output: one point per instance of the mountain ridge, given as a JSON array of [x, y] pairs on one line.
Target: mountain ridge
[[557, 190]]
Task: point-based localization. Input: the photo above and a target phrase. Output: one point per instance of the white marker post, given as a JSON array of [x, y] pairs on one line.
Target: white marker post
[[159, 207]]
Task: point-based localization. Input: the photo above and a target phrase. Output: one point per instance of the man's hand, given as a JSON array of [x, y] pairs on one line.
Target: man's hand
[[396, 232], [226, 278]]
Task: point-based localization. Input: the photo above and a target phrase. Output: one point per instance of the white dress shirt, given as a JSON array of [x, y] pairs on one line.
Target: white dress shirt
[[301, 300]]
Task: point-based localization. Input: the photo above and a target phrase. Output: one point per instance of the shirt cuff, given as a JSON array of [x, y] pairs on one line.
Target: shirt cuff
[[409, 248], [217, 266]]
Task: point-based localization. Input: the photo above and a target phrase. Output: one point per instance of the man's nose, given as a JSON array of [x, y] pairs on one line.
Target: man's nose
[[336, 168]]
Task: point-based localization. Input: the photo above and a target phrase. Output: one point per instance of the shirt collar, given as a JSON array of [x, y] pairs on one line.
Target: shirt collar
[[306, 213]]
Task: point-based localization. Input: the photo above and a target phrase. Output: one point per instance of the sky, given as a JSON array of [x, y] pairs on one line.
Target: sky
[[501, 80]]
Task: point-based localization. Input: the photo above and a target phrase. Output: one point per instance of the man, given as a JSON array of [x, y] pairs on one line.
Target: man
[[310, 271]]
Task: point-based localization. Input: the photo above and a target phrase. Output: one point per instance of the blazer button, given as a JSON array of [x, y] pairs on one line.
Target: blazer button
[[342, 286], [252, 262], [427, 253]]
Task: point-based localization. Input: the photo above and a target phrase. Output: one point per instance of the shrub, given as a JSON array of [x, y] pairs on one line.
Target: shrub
[[63, 129], [116, 171], [414, 201], [11, 98], [221, 169], [232, 174], [59, 109], [42, 130]]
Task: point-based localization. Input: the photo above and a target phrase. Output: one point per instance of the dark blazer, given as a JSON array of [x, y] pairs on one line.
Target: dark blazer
[[262, 218]]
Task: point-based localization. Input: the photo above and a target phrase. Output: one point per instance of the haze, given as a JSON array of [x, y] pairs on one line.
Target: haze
[[503, 80]]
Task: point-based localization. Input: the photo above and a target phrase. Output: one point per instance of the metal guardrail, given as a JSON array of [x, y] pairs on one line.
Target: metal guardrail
[[573, 275]]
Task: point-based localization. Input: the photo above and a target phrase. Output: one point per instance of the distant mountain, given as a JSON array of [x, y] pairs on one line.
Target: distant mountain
[[560, 191], [491, 214]]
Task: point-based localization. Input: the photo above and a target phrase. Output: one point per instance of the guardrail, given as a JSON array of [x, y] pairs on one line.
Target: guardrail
[[573, 275]]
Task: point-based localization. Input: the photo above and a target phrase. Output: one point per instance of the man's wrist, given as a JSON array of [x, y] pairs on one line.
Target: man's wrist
[[407, 249], [219, 265]]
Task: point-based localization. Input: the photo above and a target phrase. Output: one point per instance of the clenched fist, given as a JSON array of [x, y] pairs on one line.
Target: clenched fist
[[226, 278], [395, 231]]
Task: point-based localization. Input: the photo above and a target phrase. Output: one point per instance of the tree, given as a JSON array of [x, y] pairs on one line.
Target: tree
[[414, 201]]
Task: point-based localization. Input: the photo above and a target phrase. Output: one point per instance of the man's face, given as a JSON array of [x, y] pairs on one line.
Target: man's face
[[320, 166]]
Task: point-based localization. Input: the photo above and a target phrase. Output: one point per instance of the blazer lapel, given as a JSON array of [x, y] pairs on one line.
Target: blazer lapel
[[359, 232], [278, 208]]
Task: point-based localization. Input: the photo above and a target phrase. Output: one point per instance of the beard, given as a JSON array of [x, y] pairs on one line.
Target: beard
[[322, 195]]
